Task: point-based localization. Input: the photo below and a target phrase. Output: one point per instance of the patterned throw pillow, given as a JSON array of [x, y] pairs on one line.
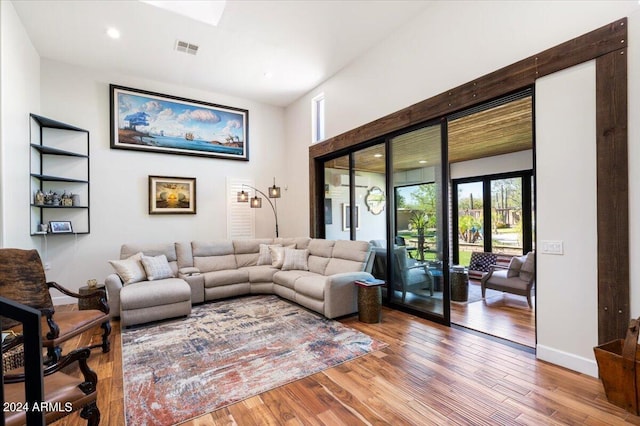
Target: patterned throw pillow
[[265, 254], [295, 259], [157, 267], [129, 270], [277, 254]]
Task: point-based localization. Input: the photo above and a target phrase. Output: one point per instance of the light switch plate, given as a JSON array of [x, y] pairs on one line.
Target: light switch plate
[[552, 247]]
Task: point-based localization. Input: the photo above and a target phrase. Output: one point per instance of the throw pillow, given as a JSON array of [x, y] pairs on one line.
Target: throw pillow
[[528, 267], [129, 270], [514, 266], [277, 254], [157, 267], [264, 257], [295, 259]]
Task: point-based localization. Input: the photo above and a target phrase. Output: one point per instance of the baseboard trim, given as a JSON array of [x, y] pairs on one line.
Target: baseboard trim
[[567, 360], [64, 300]]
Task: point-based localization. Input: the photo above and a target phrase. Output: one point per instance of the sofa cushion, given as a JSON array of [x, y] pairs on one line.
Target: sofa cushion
[[318, 264], [295, 259], [146, 294], [214, 255], [348, 256], [247, 251], [312, 286], [260, 274], [288, 278], [157, 267], [499, 278], [323, 248], [225, 277], [300, 243], [130, 270]]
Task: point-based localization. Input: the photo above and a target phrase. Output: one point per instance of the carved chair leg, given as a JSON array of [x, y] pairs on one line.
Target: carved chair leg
[[91, 413], [529, 301], [105, 336], [53, 355]]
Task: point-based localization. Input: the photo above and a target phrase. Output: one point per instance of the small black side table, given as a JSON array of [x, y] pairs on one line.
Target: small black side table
[[369, 300], [459, 284], [84, 304]]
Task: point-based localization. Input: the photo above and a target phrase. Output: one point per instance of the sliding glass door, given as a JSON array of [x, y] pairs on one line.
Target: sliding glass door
[[417, 258]]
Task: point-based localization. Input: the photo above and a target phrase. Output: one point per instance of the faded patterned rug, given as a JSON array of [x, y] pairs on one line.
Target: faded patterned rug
[[225, 352]]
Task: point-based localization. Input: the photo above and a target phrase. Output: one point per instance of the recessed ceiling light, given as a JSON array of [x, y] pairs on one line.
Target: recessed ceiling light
[[377, 155], [422, 161], [113, 33]]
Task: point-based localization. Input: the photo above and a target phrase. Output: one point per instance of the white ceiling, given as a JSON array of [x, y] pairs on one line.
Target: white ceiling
[[300, 43]]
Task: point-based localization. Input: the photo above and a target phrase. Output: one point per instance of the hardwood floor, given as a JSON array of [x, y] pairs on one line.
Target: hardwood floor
[[503, 315], [427, 375]]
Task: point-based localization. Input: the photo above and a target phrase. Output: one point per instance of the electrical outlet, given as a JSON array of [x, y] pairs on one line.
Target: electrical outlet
[[552, 247], [47, 266]]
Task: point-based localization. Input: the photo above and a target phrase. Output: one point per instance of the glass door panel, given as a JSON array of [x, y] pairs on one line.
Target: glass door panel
[[506, 216], [418, 224], [470, 220], [336, 199]]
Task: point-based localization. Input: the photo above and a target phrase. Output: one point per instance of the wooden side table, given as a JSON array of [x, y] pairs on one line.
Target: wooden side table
[[459, 285], [84, 304], [369, 300]]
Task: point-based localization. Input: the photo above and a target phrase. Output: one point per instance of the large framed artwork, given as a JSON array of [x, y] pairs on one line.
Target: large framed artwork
[[147, 121], [172, 195]]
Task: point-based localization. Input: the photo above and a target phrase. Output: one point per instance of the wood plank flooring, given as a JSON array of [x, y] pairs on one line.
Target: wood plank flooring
[[428, 375], [503, 315]]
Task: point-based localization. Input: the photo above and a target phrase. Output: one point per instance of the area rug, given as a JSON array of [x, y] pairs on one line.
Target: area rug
[[225, 352]]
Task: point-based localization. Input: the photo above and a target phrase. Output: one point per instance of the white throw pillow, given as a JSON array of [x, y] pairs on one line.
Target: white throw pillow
[[295, 259], [528, 267], [157, 267], [515, 265], [129, 270], [277, 254], [265, 254]]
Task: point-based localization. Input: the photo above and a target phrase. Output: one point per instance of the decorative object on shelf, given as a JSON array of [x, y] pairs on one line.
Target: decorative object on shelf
[[375, 200], [200, 128], [44, 227], [172, 195], [61, 227], [75, 200], [38, 199], [346, 217], [66, 199], [255, 202]]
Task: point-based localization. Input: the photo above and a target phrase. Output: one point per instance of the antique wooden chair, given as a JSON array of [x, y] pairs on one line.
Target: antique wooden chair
[[22, 280], [57, 393]]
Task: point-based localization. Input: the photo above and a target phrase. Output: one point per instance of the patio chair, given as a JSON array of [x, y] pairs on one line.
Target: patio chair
[[517, 278]]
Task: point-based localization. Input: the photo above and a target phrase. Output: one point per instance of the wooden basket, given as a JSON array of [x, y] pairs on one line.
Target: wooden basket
[[618, 368]]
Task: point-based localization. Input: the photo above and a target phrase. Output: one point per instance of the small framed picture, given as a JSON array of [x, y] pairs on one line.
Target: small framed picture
[[172, 195], [61, 227]]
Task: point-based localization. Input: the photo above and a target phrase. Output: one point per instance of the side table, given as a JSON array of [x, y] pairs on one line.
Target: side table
[[84, 304], [459, 284], [369, 300]]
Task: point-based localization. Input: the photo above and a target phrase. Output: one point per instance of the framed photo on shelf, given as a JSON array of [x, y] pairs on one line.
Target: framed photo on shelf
[[60, 227], [346, 217], [172, 195], [153, 122]]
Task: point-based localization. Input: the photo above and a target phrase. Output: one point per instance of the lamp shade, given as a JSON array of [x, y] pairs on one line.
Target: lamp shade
[[274, 191], [256, 202], [243, 197]]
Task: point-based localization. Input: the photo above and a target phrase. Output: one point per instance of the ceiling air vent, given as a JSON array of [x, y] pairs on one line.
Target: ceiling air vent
[[183, 46]]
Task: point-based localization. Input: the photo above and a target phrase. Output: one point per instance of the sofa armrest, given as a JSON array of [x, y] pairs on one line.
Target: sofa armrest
[[188, 272], [340, 293], [113, 283]]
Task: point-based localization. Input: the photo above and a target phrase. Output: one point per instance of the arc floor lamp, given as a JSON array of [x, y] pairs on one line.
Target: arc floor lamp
[[255, 202]]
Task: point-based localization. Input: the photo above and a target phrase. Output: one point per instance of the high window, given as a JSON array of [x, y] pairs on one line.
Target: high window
[[317, 118]]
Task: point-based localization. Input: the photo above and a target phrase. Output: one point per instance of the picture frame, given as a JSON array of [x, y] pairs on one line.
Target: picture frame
[[153, 122], [60, 227], [346, 217], [172, 195]]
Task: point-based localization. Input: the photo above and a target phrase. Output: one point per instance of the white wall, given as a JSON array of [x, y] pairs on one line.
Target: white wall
[[450, 44], [567, 285], [20, 95]]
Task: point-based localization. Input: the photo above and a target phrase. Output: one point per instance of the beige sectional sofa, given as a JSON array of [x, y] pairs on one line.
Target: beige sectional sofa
[[203, 271]]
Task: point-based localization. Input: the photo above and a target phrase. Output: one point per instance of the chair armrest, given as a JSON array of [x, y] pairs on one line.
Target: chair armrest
[[80, 355], [113, 284], [100, 294]]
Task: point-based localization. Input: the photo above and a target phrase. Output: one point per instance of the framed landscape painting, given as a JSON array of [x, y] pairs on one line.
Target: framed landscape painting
[[147, 121], [172, 195]]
